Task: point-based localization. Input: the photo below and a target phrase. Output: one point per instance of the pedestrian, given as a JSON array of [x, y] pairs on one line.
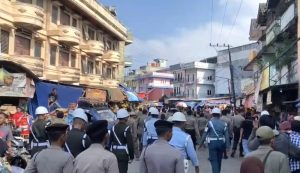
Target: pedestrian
[[202, 122], [77, 140], [267, 119], [216, 134], [228, 121], [132, 123], [69, 118], [5, 130], [246, 129], [252, 165], [280, 142], [183, 142], [274, 161], [52, 159], [295, 139], [150, 135], [191, 127], [237, 120], [121, 141], [38, 136], [153, 157], [60, 116], [96, 158], [140, 126]]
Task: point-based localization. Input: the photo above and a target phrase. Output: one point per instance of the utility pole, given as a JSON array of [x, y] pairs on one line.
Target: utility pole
[[298, 51], [231, 72]]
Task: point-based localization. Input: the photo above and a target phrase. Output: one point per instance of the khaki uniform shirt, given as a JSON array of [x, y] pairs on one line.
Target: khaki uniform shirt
[[237, 120], [277, 162], [228, 121], [132, 123], [141, 122], [50, 160], [96, 159], [161, 157]]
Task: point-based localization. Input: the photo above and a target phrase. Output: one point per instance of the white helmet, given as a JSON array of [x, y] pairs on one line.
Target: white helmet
[[41, 110], [178, 116], [170, 119], [79, 113], [216, 111], [122, 113], [153, 111], [264, 113]]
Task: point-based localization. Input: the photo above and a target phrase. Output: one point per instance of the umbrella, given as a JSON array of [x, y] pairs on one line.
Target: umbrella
[[181, 104]]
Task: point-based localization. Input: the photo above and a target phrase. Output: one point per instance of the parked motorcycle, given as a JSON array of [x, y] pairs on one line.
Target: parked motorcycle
[[19, 154]]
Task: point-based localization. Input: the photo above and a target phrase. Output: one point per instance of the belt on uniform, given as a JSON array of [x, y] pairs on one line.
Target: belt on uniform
[[152, 137], [41, 144], [119, 147], [216, 139]]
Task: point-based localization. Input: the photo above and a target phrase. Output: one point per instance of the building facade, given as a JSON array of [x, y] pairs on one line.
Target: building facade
[[77, 42], [151, 81], [274, 65], [239, 57], [194, 80]]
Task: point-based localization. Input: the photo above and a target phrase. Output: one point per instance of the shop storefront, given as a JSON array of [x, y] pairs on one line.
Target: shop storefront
[[17, 86]]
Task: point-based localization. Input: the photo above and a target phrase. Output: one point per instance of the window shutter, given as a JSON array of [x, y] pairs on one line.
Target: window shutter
[[4, 41], [83, 65], [64, 18], [53, 55], [40, 3], [73, 60], [22, 45], [54, 14], [37, 49]]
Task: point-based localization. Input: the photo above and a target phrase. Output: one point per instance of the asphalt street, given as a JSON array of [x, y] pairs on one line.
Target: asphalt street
[[230, 165]]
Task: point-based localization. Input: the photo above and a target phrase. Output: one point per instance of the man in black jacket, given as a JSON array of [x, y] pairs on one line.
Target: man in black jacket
[[77, 140], [121, 141]]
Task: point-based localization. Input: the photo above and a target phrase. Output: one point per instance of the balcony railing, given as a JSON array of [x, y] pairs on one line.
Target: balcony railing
[[112, 56], [93, 47], [29, 15], [155, 85], [67, 34], [36, 65]]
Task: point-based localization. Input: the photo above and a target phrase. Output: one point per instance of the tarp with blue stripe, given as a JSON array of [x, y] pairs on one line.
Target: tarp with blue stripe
[[66, 95]]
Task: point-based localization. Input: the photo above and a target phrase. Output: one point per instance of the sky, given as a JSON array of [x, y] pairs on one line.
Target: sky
[[181, 30]]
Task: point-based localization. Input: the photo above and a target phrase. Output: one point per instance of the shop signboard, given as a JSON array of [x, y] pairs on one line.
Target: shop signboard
[[96, 94], [15, 85]]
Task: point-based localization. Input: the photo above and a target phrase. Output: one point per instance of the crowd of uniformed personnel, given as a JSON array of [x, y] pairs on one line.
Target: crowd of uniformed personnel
[[162, 141]]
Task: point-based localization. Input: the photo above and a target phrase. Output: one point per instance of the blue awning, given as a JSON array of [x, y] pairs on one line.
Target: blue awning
[[132, 97]]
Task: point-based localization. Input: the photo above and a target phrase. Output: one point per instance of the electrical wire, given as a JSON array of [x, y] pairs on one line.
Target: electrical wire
[[220, 35], [234, 23]]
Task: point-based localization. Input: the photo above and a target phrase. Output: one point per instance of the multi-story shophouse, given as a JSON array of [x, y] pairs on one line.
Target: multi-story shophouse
[[275, 64], [77, 42], [151, 81], [194, 80]]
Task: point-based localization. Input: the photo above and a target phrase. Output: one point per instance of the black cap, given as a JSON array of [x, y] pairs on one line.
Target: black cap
[[96, 128], [57, 127], [163, 124]]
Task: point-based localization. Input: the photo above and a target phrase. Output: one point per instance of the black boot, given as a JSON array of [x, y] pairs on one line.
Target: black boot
[[232, 154]]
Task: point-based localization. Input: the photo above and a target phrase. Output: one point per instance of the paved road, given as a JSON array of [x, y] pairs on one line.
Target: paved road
[[231, 165]]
